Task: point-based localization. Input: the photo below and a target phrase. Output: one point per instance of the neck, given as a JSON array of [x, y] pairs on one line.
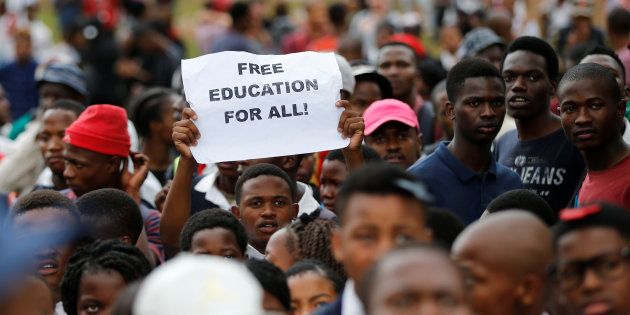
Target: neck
[[537, 127], [409, 99], [607, 156], [59, 182], [226, 184], [474, 156], [619, 42], [158, 153]]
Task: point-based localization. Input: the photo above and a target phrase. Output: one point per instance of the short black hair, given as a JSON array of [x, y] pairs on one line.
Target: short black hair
[[261, 170], [383, 84], [539, 47], [469, 68], [148, 107], [445, 227], [524, 199], [239, 11], [369, 155], [595, 72], [110, 213], [69, 105], [381, 179], [272, 280], [603, 50], [319, 268], [209, 219], [41, 199], [432, 72], [112, 255], [618, 21]]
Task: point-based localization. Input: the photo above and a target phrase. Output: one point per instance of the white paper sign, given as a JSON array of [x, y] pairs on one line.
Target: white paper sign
[[257, 106]]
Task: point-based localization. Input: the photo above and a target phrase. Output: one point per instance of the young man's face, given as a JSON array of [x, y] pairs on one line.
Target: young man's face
[[86, 171], [217, 241], [528, 86], [365, 93], [50, 138], [51, 92], [266, 206], [395, 143], [590, 116], [602, 287], [374, 224], [479, 110], [51, 262], [416, 282], [333, 175], [398, 64]]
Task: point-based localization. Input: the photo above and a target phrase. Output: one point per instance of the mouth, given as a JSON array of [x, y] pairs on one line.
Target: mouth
[[330, 205], [597, 308], [268, 227], [518, 101], [489, 129], [54, 160], [47, 265], [394, 158], [231, 166], [585, 134]]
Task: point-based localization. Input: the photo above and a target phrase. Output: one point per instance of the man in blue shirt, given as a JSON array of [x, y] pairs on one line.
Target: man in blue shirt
[[462, 174]]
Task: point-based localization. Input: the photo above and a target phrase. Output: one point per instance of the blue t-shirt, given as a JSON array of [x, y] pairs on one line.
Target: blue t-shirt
[[459, 189], [551, 166]]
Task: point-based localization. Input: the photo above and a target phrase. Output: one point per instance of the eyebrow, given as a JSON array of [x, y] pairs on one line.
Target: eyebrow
[[319, 296]]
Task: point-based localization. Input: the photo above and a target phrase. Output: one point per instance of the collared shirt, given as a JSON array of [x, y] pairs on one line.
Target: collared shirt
[[351, 305], [252, 252], [459, 189], [208, 186], [307, 203]]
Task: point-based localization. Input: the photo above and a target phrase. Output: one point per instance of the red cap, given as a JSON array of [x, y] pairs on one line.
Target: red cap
[[410, 41], [102, 129], [579, 213], [386, 110]]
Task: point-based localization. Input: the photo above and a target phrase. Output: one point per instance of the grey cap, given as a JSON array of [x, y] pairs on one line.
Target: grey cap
[[67, 74], [477, 40]]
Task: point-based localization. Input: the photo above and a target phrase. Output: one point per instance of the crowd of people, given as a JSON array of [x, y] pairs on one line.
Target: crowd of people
[[487, 169]]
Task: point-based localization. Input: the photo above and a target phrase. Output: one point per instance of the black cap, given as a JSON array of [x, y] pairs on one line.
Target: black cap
[[599, 214]]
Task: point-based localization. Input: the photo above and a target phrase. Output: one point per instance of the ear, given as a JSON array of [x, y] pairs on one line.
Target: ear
[[621, 109], [554, 87], [335, 245], [126, 239], [450, 110], [236, 211], [114, 165], [420, 144], [529, 290], [295, 209]]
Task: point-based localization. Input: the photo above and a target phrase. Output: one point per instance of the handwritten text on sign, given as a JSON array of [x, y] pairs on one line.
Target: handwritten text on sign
[[255, 106]]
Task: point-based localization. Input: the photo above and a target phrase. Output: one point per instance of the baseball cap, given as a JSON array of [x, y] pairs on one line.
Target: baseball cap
[[600, 214], [477, 40], [67, 74], [199, 285], [102, 129], [387, 110], [582, 8]]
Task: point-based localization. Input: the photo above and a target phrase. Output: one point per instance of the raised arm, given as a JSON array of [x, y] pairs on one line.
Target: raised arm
[[351, 126], [177, 205]]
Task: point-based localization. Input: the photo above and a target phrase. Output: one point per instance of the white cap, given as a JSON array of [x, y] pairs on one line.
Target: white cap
[[199, 285], [347, 78]]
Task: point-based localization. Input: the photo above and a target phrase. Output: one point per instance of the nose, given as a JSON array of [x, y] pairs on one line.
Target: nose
[[487, 111], [68, 172], [268, 211], [393, 144], [327, 191], [583, 116], [519, 84], [55, 144], [591, 282]]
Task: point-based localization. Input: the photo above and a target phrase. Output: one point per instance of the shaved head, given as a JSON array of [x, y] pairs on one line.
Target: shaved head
[[506, 255]]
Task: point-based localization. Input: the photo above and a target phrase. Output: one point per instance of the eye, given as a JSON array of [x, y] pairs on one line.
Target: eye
[[508, 78], [567, 108], [92, 309], [532, 78], [497, 103], [321, 304], [279, 203], [43, 137], [403, 136], [474, 103], [447, 300], [380, 139], [403, 301], [228, 256], [596, 106], [255, 203], [403, 238]]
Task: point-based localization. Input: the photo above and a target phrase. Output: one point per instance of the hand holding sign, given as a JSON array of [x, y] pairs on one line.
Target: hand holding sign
[[256, 106], [185, 133]]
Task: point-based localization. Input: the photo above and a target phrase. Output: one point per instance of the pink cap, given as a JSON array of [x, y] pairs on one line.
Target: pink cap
[[386, 110]]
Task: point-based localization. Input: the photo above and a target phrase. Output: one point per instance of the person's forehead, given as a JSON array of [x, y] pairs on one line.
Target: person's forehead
[[435, 270], [265, 184], [48, 217], [58, 114], [481, 86], [524, 61], [590, 241], [586, 86], [215, 234], [395, 52], [77, 153], [381, 208], [56, 88]]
